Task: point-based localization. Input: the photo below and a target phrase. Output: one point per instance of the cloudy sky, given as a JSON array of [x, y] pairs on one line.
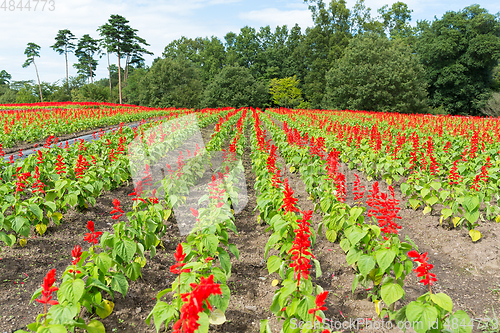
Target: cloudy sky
[[160, 22]]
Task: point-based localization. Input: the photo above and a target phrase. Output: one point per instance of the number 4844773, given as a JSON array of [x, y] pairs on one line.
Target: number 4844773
[[27, 5], [457, 325]]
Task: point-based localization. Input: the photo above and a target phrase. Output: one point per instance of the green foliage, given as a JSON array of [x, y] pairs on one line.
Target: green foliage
[[285, 92], [396, 20], [7, 95], [171, 83], [235, 86], [377, 74], [4, 77], [26, 95], [86, 49], [31, 51], [459, 52], [91, 93]]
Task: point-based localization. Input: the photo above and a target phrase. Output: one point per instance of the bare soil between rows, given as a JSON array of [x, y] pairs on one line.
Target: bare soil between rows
[[466, 271]]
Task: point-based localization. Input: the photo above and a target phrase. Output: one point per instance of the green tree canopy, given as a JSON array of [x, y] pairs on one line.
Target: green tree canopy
[[4, 77], [63, 45], [86, 49], [235, 86], [170, 83], [32, 51], [121, 39], [459, 52], [285, 92], [377, 74]]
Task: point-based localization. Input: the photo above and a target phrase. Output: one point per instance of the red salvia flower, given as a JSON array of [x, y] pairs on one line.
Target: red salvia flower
[[289, 201], [76, 253], [423, 268], [116, 209], [81, 166], [48, 288], [179, 258], [384, 209], [188, 321], [38, 185], [39, 157], [453, 176], [301, 247], [91, 236], [320, 302], [60, 165]]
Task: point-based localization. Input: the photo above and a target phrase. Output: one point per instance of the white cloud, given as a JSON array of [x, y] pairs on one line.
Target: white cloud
[[274, 17]]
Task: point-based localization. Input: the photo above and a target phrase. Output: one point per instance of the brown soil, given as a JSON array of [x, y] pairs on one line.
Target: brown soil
[[466, 271]]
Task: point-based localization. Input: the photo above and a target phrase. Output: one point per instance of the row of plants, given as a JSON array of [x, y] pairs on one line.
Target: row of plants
[[204, 257], [42, 187], [444, 171], [380, 260], [298, 299], [106, 268]]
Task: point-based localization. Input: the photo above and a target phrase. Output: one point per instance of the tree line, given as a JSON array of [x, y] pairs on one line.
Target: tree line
[[346, 60]]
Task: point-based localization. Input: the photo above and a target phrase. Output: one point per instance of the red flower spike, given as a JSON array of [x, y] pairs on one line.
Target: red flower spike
[[91, 236], [289, 201], [116, 209], [188, 321], [76, 253], [423, 269], [48, 288], [179, 257]]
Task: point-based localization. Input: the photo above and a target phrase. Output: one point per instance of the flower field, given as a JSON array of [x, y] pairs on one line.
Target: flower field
[[238, 220]]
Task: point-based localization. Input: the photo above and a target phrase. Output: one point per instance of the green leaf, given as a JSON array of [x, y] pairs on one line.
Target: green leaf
[[385, 258], [35, 209], [225, 261], [53, 328], [331, 235], [424, 314], [436, 185], [353, 255], [365, 264], [210, 242], [71, 290], [463, 320], [125, 249], [356, 235], [424, 192], [443, 195], [391, 292], [234, 250], [471, 203], [404, 188], [63, 314], [133, 271], [264, 326], [432, 200], [103, 262], [446, 212], [273, 264], [119, 283], [162, 312], [95, 326], [302, 309], [443, 301], [317, 267]]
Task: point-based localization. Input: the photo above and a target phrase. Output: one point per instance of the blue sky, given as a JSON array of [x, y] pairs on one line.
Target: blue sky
[[160, 22]]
